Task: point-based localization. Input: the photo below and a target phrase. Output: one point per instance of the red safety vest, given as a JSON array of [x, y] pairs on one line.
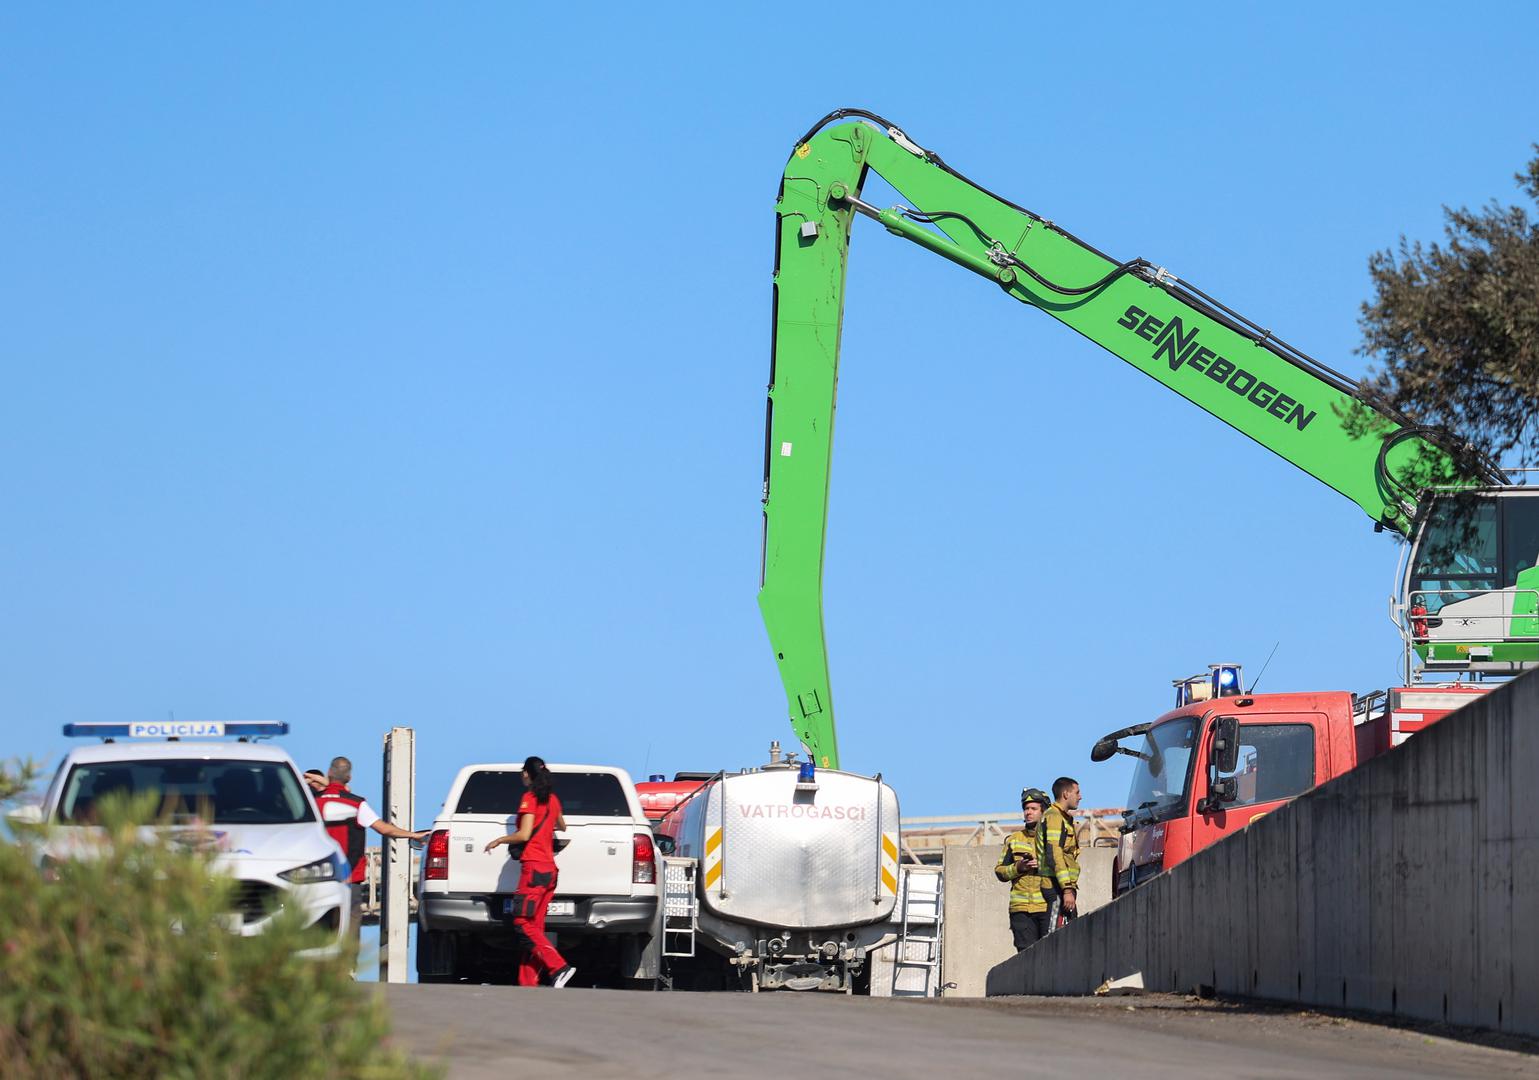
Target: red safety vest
[[339, 813]]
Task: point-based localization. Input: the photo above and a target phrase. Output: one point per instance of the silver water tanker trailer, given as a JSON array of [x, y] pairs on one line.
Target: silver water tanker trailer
[[795, 877]]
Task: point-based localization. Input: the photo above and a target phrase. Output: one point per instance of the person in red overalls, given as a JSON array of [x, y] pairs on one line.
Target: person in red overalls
[[539, 816]]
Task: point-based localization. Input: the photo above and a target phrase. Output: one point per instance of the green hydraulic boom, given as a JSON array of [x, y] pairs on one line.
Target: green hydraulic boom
[[1221, 362]]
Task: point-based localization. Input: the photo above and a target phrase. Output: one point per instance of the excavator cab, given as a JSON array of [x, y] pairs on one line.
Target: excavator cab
[[1469, 599]]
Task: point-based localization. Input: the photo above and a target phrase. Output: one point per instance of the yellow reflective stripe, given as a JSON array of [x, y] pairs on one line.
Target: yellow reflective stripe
[[713, 841], [887, 866], [712, 874]]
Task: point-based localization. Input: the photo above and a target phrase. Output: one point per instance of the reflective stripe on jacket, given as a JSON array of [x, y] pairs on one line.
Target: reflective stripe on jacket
[[1025, 889], [1059, 845]]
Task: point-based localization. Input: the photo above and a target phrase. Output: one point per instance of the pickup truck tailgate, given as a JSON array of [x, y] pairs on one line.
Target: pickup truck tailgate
[[600, 820], [596, 862], [472, 868]]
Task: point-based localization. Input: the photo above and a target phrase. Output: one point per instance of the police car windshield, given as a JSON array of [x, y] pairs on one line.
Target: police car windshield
[[214, 792], [1162, 771]]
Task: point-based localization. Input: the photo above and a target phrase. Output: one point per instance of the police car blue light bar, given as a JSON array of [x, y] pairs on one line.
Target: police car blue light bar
[[177, 729]]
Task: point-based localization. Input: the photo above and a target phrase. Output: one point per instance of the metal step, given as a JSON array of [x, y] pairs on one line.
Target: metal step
[[680, 906]]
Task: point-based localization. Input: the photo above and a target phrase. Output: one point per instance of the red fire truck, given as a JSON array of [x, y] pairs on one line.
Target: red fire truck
[[659, 795], [1222, 758]]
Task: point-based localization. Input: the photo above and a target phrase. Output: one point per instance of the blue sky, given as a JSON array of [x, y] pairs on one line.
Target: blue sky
[[367, 366]]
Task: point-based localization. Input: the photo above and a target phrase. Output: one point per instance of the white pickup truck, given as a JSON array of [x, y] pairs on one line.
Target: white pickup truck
[[604, 915]]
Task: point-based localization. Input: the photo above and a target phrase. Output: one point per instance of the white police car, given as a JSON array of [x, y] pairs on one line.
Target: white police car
[[244, 799]]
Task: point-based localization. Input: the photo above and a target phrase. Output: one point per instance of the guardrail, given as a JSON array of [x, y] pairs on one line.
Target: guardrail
[[373, 858], [925, 839], [1400, 615], [1470, 633]]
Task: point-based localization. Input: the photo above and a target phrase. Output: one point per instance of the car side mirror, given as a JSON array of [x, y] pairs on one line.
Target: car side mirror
[[31, 814], [666, 845], [1226, 744], [1104, 749]]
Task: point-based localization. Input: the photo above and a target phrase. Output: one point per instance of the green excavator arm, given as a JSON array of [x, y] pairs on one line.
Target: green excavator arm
[[1163, 326]]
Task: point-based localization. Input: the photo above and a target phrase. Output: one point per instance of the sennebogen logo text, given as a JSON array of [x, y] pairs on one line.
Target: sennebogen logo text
[[1177, 345]]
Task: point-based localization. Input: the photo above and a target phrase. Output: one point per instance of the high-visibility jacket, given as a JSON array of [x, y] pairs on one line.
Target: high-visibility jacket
[[339, 813], [1025, 888], [1059, 845]]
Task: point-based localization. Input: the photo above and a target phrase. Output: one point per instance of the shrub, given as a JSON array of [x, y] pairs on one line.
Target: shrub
[[120, 965]]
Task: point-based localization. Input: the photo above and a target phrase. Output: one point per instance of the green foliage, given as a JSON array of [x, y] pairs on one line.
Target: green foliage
[[122, 967], [16, 778], [1454, 327]]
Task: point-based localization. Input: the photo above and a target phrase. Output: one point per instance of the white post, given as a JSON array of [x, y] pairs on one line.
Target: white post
[[395, 873]]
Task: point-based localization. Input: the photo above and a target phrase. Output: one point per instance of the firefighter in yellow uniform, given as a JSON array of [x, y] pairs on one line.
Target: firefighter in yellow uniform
[[1020, 864], [1059, 854]]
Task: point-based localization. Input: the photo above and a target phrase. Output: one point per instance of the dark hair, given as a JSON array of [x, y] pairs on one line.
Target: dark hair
[[539, 778], [1062, 784]]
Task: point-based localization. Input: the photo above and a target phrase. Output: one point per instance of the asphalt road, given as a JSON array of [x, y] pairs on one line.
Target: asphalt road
[[500, 1031]]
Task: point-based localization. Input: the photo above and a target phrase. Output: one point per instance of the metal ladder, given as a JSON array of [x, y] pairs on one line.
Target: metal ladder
[[919, 942], [680, 905]]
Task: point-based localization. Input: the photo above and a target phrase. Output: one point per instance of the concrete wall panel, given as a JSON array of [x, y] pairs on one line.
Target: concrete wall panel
[[977, 930], [1410, 886]]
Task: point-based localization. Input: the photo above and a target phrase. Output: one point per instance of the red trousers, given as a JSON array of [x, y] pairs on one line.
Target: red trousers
[[536, 884]]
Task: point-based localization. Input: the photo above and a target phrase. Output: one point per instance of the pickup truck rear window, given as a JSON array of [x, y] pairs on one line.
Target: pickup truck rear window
[[581, 794]]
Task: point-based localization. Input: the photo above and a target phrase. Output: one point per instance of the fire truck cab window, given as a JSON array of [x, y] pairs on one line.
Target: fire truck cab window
[[1163, 769], [1277, 761]]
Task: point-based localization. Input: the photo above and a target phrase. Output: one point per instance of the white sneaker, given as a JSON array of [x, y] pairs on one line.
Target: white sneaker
[[562, 977]]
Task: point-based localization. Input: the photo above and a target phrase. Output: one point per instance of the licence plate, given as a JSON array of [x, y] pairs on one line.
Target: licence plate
[[557, 907]]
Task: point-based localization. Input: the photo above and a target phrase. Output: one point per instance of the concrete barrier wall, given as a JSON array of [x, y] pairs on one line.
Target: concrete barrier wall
[[1410, 887], [976, 935]]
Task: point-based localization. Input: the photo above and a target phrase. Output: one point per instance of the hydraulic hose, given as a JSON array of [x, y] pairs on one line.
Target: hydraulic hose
[[1478, 465]]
